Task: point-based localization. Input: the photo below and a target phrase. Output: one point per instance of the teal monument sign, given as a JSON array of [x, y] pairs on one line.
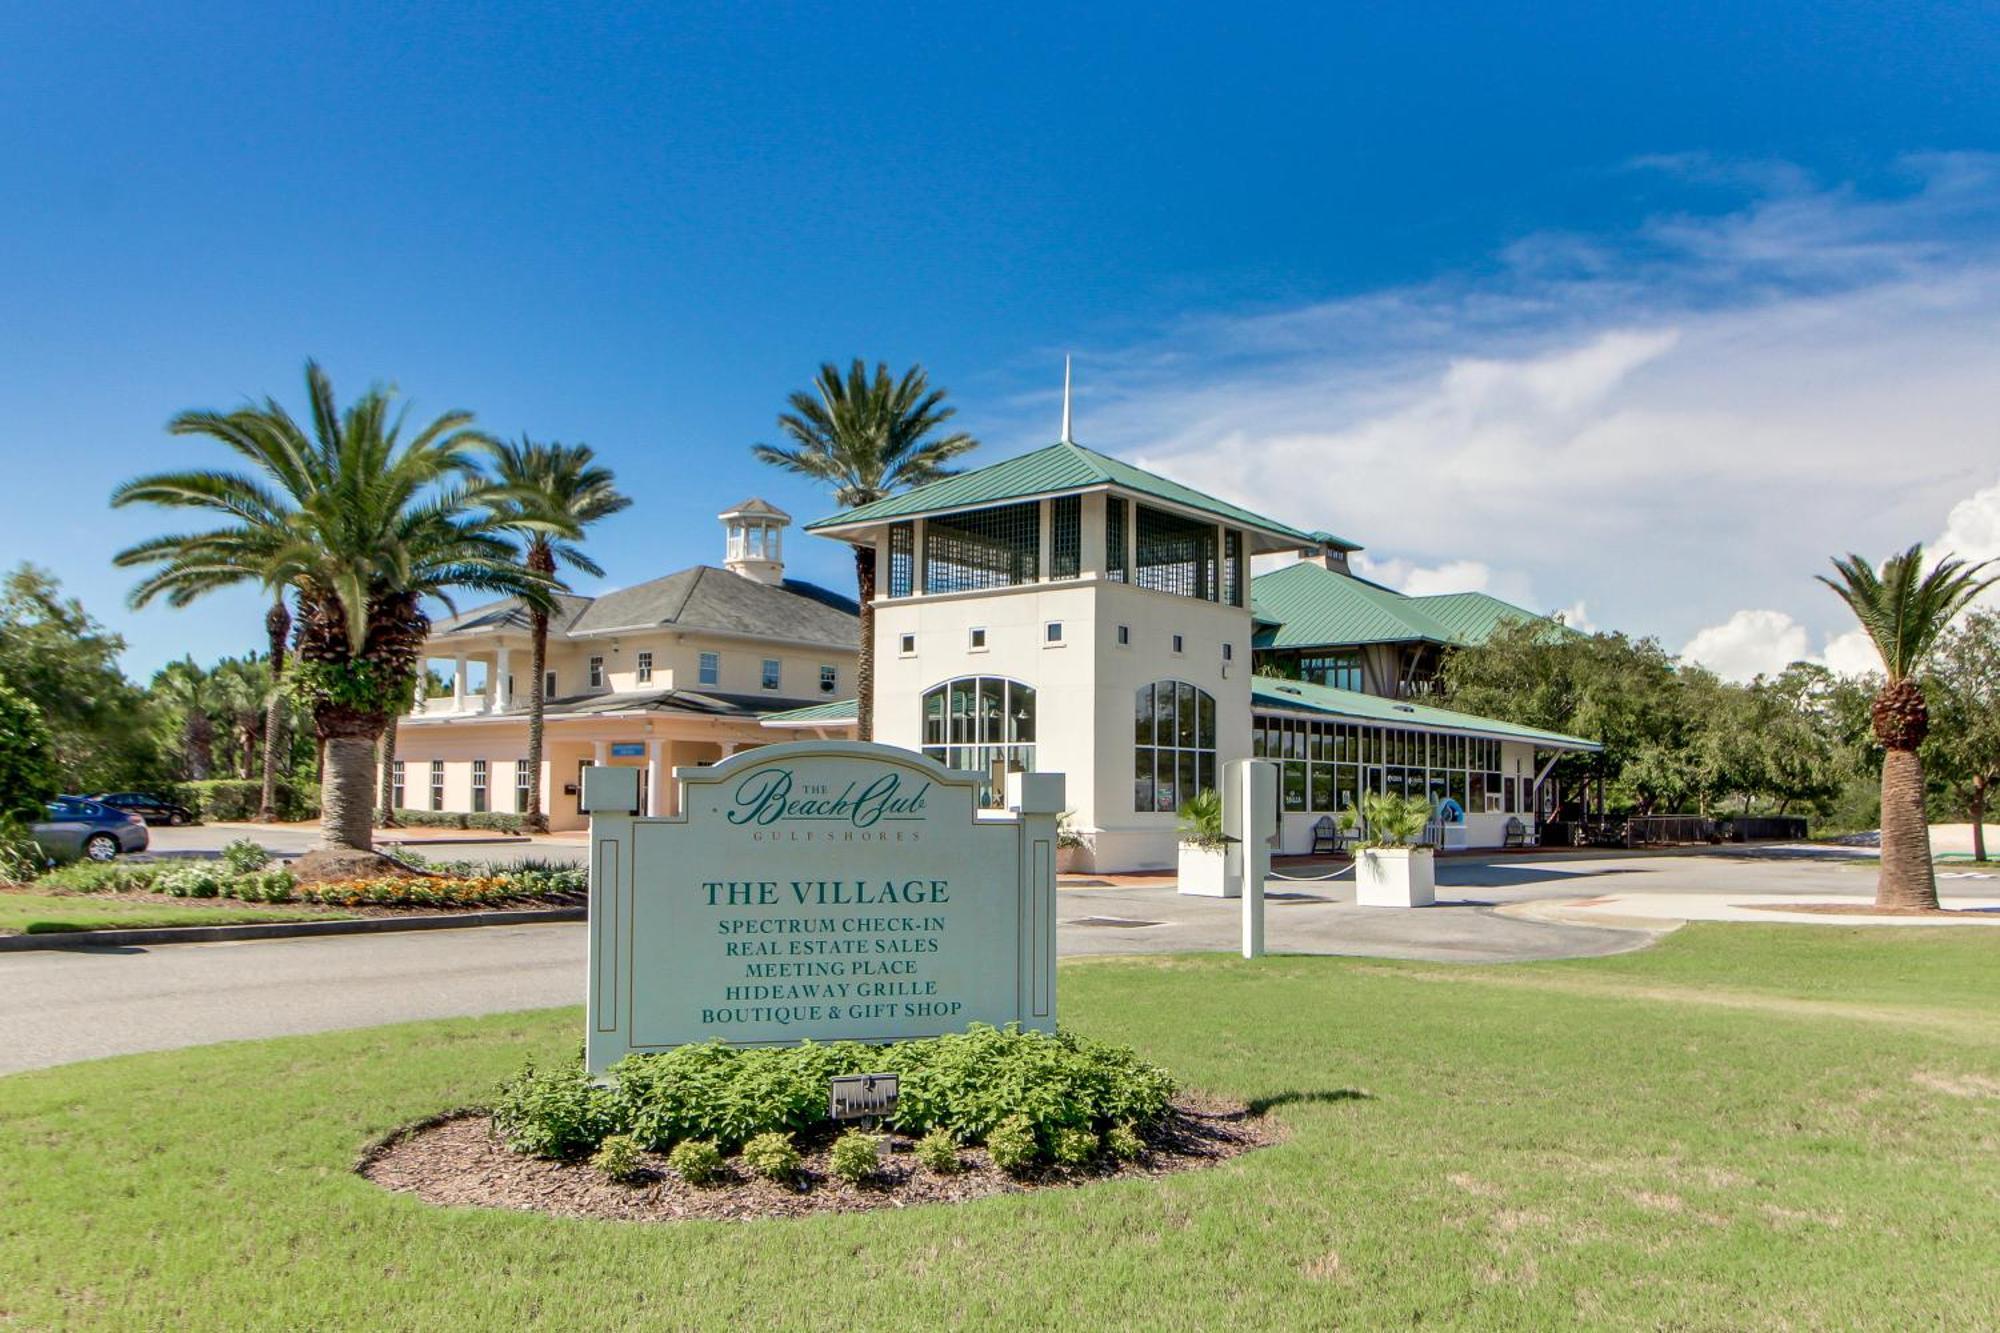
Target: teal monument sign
[[824, 891]]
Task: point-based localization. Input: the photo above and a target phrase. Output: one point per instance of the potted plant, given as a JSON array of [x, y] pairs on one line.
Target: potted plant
[[1072, 847], [1204, 857], [1392, 867]]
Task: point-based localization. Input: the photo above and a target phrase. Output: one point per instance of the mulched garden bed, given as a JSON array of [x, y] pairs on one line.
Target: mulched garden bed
[[460, 1160], [296, 907]]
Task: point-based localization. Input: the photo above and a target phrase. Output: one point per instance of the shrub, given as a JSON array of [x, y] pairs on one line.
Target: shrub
[[619, 1159], [491, 821], [27, 756], [262, 886], [234, 800], [773, 1156], [1125, 1143], [555, 1112], [1074, 1147], [21, 857], [243, 856], [696, 1161], [1012, 1144], [965, 1085], [855, 1157], [90, 877], [192, 879], [938, 1151], [1201, 822]]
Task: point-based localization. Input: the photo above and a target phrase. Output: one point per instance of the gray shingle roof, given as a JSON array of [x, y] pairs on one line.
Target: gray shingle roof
[[700, 598]]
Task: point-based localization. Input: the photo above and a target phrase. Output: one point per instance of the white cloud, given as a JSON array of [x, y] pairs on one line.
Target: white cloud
[[1749, 644], [1577, 616], [1972, 532], [1852, 654], [1670, 425]]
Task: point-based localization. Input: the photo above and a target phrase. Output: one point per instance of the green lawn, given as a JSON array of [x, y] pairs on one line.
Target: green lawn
[[42, 913], [1744, 1127]]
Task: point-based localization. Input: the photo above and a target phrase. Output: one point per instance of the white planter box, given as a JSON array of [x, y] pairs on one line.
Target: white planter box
[[1395, 877], [1205, 872]]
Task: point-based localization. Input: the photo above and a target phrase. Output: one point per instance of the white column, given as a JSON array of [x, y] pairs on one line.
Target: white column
[[600, 751], [503, 698], [654, 805], [457, 684]]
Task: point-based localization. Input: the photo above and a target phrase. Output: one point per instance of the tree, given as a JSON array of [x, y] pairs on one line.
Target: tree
[[242, 692], [361, 524], [53, 651], [866, 438], [1904, 610], [277, 629], [27, 757], [187, 699], [543, 490], [1964, 687]]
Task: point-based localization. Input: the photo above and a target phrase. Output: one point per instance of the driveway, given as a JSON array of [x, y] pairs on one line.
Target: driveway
[[63, 1005]]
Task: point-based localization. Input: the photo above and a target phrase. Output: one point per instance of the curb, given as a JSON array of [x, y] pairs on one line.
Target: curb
[[365, 925]]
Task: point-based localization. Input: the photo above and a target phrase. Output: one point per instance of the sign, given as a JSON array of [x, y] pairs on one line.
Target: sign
[[862, 1096], [823, 891], [628, 749]]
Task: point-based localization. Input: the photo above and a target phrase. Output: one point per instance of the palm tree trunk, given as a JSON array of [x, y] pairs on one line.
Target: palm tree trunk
[[385, 796], [197, 739], [278, 626], [347, 802], [532, 817], [864, 666], [1979, 818], [1906, 879]]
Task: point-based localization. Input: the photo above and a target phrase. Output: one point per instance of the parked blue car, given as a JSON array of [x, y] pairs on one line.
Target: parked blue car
[[79, 828]]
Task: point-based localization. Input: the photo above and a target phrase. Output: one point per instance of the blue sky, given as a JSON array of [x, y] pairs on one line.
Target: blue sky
[[1463, 284]]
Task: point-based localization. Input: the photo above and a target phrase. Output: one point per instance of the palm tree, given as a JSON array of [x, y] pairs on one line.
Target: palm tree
[[189, 695], [277, 631], [242, 686], [1903, 611], [559, 488], [866, 437], [361, 524]]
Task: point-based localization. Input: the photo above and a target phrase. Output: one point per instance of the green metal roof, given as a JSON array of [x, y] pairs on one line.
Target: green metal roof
[[1471, 616], [835, 710], [1059, 467], [1313, 606], [1299, 696]]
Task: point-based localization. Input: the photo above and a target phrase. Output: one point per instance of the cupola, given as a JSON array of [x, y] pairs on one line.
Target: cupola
[[755, 540]]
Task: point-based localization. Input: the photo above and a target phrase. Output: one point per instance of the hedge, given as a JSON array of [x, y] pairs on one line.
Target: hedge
[[492, 821], [236, 799]]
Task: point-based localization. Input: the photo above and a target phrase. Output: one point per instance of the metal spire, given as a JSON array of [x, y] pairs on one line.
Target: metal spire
[[1065, 434]]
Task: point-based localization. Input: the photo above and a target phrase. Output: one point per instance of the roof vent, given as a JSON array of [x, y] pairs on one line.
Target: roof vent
[[1404, 708], [1291, 689]]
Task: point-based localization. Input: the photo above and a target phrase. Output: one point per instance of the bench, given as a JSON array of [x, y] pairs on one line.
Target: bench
[[1328, 837]]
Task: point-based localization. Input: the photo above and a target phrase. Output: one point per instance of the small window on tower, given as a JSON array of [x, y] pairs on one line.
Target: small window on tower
[[907, 645], [645, 667], [978, 638]]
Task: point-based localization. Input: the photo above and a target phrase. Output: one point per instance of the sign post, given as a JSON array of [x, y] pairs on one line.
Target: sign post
[[823, 891], [1250, 816]]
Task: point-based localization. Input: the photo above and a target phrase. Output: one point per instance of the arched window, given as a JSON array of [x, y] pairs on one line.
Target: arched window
[[975, 721], [1173, 744]]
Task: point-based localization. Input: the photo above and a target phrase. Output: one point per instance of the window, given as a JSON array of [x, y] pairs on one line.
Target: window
[[902, 558], [976, 639], [1173, 744], [1114, 539], [1232, 566], [596, 673], [975, 722], [771, 673], [479, 786], [1176, 555], [1229, 652], [1339, 671], [829, 680], [907, 645], [524, 782], [1180, 644], [645, 667], [396, 786], [1052, 632], [549, 685], [1124, 636], [437, 784], [985, 548], [1066, 536], [710, 670]]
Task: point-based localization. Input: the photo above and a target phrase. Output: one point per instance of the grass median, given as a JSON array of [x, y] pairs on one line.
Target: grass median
[[1743, 1127], [53, 913]]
